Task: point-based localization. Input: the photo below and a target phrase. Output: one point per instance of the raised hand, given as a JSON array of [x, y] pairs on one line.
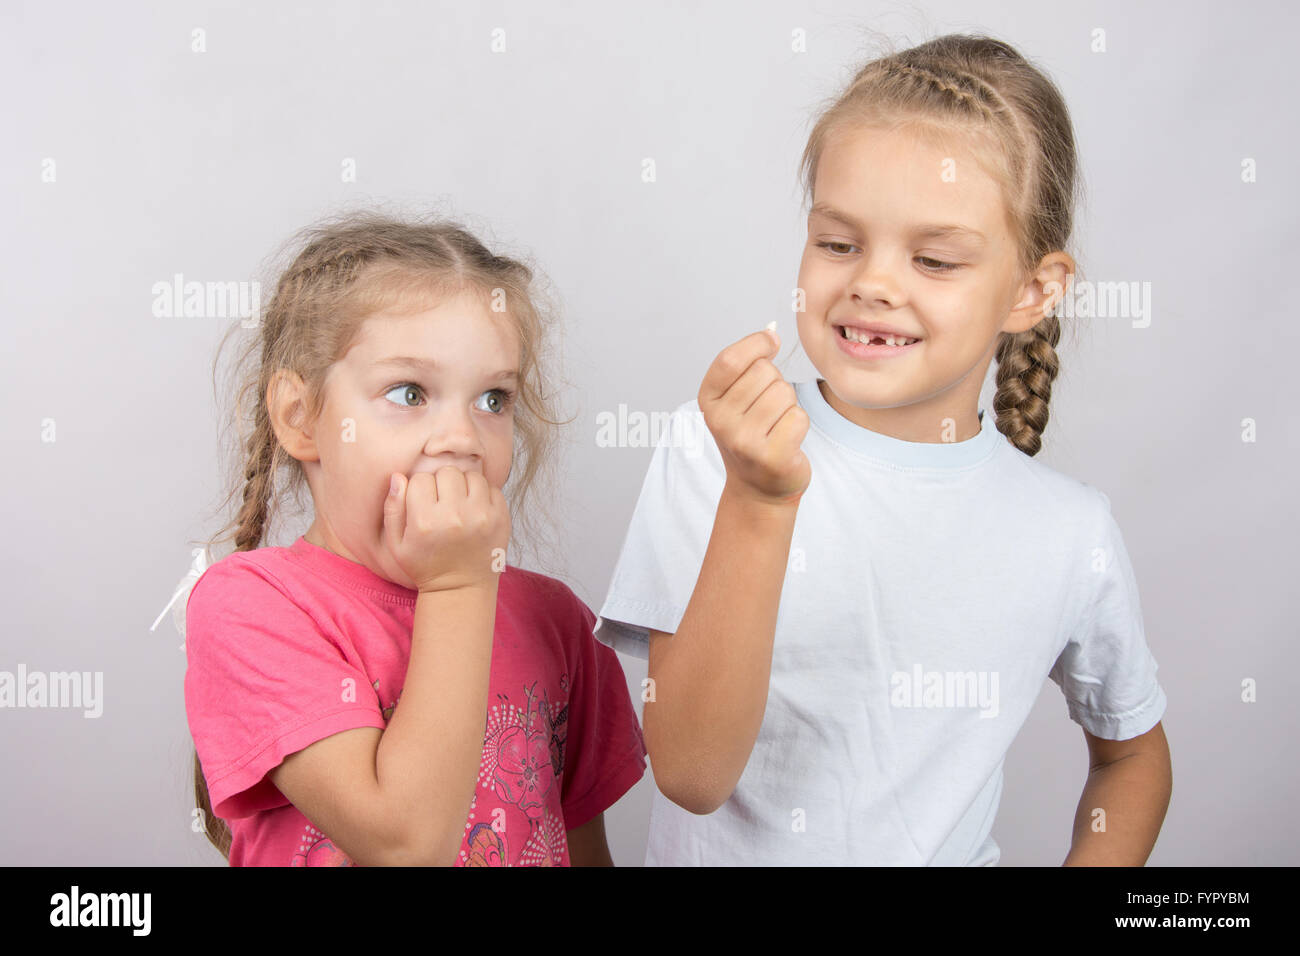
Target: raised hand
[[756, 421], [444, 529]]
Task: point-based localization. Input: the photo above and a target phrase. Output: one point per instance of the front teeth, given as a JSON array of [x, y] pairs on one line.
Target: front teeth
[[854, 336]]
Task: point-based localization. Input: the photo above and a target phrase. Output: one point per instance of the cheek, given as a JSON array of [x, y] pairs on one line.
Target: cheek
[[338, 440], [821, 283], [499, 445], [365, 453], [808, 277], [806, 325]]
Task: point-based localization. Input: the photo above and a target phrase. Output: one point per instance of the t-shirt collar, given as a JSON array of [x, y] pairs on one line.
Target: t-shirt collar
[[346, 572], [908, 454]]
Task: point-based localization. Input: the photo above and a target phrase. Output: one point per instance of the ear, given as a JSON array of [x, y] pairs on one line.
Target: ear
[[286, 404], [1042, 293]]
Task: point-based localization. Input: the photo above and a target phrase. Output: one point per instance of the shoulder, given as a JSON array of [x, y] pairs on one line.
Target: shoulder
[[250, 589], [1039, 485], [685, 453], [254, 570], [547, 597], [547, 617], [685, 430]]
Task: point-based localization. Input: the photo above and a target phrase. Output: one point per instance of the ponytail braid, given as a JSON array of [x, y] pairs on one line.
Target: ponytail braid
[[1027, 365]]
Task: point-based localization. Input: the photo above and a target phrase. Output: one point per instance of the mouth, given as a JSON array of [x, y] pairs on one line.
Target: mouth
[[869, 337], [870, 345]]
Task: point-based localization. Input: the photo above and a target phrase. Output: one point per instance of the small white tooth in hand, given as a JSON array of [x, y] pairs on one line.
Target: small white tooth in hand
[[771, 326]]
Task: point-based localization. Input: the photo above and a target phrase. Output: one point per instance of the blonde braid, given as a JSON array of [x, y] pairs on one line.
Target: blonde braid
[[1027, 364], [258, 482], [956, 89]]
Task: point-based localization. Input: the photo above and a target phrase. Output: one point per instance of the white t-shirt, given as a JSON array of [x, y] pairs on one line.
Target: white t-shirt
[[931, 588]]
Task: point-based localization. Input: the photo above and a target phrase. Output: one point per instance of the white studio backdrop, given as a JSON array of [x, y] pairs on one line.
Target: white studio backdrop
[[129, 157]]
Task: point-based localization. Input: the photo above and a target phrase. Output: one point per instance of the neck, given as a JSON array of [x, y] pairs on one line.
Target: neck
[[941, 419]]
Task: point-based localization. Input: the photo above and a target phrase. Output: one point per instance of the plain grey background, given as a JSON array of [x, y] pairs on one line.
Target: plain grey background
[[169, 161]]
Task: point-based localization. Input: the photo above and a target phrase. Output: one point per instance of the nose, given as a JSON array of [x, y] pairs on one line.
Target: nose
[[453, 440], [874, 284]]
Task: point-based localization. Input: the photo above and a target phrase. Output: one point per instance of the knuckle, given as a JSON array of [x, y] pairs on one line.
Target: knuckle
[[744, 445], [728, 363]]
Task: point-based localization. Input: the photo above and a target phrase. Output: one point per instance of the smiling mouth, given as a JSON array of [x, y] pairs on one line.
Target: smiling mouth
[[873, 338]]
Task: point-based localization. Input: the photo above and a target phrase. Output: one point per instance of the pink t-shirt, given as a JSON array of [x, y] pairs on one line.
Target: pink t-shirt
[[287, 646]]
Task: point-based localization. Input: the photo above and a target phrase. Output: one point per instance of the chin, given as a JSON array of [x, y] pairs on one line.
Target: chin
[[859, 393]]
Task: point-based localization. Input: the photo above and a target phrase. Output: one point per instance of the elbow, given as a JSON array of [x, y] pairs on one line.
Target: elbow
[[436, 849], [691, 784], [421, 847], [693, 792], [697, 800], [700, 804]]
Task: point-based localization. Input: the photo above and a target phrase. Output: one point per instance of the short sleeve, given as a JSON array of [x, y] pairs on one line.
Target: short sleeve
[[604, 750], [667, 537], [1106, 671], [263, 681]]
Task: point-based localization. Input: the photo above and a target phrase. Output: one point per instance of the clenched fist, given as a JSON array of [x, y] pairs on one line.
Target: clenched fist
[[443, 529], [756, 421]]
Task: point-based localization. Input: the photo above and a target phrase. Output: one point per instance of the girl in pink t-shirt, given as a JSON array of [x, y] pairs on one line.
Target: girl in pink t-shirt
[[396, 372]]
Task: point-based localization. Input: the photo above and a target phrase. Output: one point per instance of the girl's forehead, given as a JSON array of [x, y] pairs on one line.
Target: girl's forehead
[[902, 176], [456, 326], [463, 314], [876, 155]]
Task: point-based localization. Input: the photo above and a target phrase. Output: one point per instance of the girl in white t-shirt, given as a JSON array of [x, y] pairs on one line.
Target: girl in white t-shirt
[[850, 591]]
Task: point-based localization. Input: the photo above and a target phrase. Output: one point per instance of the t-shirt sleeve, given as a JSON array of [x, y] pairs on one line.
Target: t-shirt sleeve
[[604, 750], [663, 550], [1106, 671], [263, 681]]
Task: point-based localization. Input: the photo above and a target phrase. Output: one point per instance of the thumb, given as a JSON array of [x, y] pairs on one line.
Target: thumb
[[395, 511]]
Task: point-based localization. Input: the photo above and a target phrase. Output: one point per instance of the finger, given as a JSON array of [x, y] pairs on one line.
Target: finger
[[733, 410], [733, 361], [476, 487], [452, 484], [777, 399], [395, 511], [500, 504], [421, 498], [481, 500], [497, 502], [790, 429], [761, 379], [477, 499]]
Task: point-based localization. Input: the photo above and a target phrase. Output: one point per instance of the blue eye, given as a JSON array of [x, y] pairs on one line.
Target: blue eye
[[501, 404], [406, 388]]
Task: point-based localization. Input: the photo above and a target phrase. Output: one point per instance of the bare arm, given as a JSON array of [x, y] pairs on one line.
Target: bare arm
[[711, 676], [401, 796], [587, 845], [1131, 780]]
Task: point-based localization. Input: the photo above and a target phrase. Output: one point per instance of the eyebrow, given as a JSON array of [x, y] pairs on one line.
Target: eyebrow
[[926, 231], [422, 365]]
